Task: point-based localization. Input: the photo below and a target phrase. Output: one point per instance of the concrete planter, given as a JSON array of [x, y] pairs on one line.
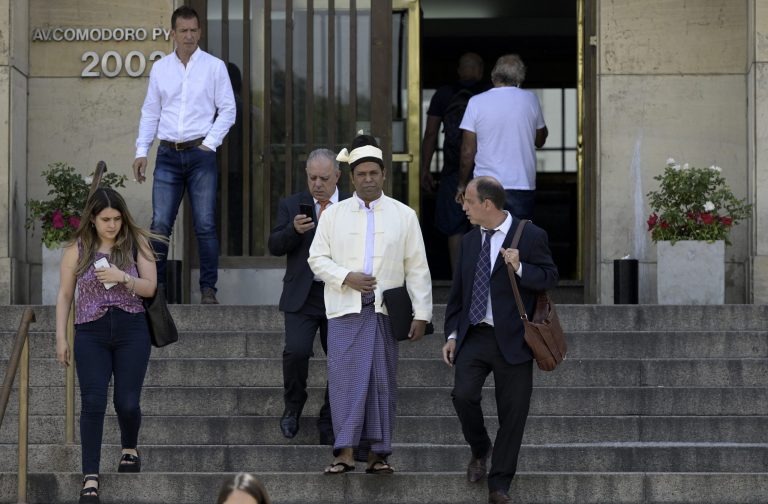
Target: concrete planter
[[691, 272], [51, 262]]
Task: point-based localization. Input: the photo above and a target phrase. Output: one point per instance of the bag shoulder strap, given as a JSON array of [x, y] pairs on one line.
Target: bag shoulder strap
[[511, 273]]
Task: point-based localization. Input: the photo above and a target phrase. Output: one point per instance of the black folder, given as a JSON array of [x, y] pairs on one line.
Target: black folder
[[400, 311]]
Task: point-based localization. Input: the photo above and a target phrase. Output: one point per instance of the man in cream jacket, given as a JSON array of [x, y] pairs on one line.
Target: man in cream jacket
[[363, 246]]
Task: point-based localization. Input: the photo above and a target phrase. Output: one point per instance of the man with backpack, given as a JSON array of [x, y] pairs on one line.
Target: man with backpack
[[447, 107]]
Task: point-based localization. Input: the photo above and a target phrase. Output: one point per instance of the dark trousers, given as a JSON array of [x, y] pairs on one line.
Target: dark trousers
[[480, 355], [300, 330], [520, 203], [115, 344]]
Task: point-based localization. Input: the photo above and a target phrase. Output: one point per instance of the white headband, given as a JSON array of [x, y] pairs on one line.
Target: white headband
[[365, 151]]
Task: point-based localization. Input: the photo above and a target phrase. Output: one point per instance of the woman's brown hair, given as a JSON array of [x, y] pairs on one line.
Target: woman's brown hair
[[130, 238], [247, 483]]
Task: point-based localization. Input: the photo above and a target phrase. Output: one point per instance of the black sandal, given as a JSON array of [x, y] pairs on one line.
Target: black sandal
[[90, 495], [380, 466], [129, 463]]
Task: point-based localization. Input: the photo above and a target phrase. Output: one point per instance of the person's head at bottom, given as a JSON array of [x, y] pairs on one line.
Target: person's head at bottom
[[243, 488]]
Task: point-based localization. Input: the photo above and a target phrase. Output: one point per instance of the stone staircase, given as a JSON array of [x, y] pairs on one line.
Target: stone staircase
[[654, 404]]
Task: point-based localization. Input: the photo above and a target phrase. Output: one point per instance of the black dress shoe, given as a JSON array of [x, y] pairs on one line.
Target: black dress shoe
[[476, 469], [499, 497], [327, 437], [289, 423]]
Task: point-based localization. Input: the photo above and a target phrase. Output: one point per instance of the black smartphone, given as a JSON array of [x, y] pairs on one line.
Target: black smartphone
[[306, 210]]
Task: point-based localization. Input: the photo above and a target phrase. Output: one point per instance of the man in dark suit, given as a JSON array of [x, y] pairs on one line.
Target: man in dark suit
[[485, 333], [302, 299]]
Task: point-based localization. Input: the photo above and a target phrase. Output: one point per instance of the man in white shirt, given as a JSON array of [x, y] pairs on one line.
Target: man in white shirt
[[187, 89], [363, 246], [502, 129]]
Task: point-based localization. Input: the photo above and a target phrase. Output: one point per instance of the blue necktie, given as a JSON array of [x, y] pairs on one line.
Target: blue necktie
[[482, 284]]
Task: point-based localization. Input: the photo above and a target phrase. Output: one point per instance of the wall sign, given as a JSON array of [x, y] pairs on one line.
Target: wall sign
[[110, 63]]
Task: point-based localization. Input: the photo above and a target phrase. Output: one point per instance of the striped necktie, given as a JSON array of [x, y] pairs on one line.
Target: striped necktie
[[482, 284], [323, 206]]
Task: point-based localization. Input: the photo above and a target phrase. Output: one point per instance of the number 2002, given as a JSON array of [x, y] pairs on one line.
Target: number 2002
[[112, 63]]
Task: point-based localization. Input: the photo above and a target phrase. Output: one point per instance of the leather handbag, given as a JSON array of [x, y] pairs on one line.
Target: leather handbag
[[162, 328], [543, 333]]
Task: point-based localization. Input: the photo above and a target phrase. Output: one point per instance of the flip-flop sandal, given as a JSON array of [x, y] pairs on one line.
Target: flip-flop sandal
[[380, 467], [338, 468]]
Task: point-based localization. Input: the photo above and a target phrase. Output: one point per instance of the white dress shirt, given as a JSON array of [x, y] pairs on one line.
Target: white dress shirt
[[182, 101], [497, 240]]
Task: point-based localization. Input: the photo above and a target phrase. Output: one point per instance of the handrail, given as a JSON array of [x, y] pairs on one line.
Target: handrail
[[101, 168], [20, 355], [69, 384]]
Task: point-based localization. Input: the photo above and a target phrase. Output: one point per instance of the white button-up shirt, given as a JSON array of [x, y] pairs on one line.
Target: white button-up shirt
[[182, 101]]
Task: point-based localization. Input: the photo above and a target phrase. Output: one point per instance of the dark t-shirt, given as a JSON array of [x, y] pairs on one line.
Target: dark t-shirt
[[448, 103]]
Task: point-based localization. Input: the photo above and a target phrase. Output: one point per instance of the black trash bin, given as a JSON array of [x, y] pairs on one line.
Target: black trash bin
[[625, 281]]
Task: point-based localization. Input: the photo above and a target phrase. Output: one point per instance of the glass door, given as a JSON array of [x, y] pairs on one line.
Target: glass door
[[305, 77], [406, 101]]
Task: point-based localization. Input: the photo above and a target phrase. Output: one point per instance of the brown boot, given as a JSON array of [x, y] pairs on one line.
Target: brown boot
[[208, 296], [499, 497]]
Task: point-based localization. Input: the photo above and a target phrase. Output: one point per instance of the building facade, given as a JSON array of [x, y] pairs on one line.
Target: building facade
[[645, 80]]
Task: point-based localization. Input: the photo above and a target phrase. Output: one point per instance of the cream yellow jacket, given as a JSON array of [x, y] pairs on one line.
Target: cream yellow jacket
[[398, 255]]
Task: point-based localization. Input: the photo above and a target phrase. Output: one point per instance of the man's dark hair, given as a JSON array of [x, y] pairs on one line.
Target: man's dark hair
[[490, 189], [184, 12]]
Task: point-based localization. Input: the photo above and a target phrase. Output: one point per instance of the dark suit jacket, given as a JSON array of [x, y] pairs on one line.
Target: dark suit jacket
[[539, 273], [284, 240]]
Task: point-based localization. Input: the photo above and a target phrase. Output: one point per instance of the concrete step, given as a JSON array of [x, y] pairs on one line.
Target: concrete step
[[258, 372], [407, 488], [573, 317], [585, 457], [204, 430], [436, 401], [589, 345]]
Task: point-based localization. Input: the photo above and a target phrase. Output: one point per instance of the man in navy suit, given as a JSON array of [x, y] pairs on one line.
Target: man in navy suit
[[302, 299], [485, 333]]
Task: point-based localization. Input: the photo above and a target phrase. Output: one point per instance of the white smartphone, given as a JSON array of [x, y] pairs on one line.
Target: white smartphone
[[103, 263]]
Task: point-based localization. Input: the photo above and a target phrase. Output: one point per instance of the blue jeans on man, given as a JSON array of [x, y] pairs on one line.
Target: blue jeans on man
[[195, 171]]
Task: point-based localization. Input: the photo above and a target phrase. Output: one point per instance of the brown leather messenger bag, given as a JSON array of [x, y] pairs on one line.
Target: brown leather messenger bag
[[543, 332]]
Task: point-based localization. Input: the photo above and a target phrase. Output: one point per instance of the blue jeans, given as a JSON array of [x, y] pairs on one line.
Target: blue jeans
[[195, 171], [115, 344], [520, 203]]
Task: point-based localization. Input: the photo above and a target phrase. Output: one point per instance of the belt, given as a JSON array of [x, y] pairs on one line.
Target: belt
[[183, 145], [481, 325]]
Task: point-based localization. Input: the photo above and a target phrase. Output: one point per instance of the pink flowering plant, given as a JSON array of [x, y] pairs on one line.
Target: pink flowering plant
[[59, 216], [693, 204]]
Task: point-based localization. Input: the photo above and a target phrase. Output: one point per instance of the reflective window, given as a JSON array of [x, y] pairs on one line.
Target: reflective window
[[301, 75]]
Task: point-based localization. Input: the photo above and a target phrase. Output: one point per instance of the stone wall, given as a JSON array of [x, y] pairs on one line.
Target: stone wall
[[14, 70], [757, 80], [672, 82], [78, 112]]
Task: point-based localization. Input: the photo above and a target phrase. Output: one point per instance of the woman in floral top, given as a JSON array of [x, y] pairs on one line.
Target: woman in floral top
[[111, 332]]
